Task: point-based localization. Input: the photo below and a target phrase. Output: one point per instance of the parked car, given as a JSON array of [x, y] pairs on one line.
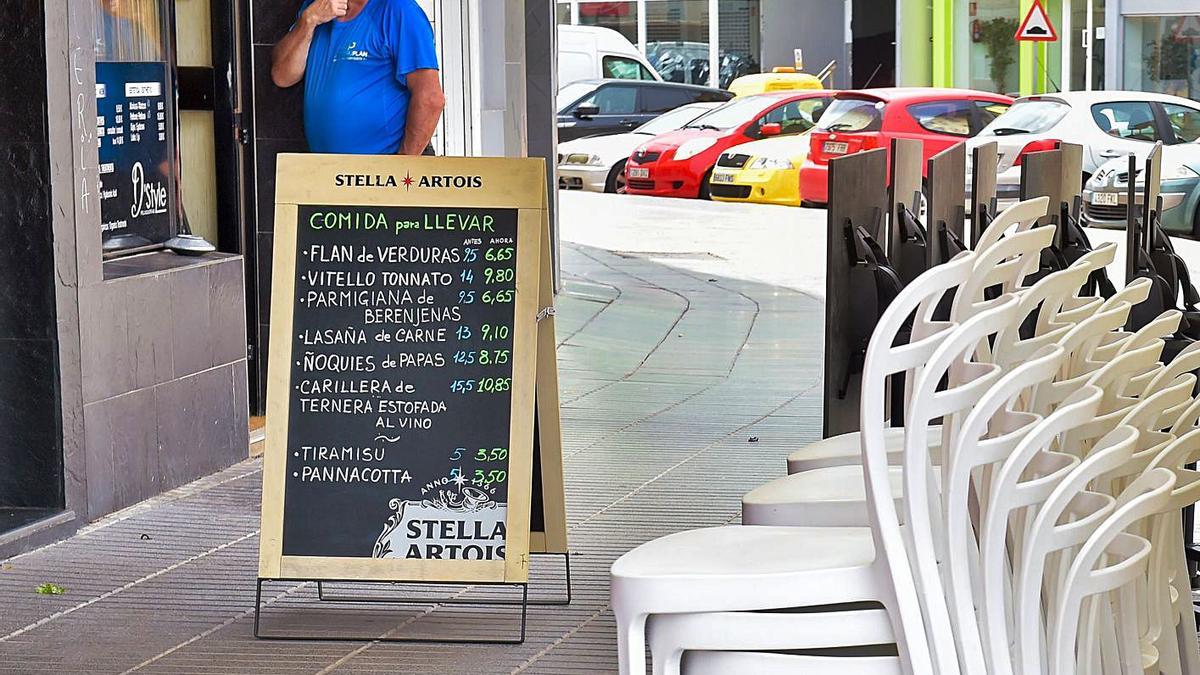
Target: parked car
[[1108, 124], [871, 118], [765, 171], [678, 163], [593, 107], [1105, 196], [592, 52], [597, 163]]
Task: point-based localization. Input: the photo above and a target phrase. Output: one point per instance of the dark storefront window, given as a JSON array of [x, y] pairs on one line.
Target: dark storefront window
[[135, 108], [677, 39], [619, 16]]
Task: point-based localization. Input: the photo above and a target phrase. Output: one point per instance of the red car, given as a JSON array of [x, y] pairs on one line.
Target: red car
[[678, 163], [871, 118]]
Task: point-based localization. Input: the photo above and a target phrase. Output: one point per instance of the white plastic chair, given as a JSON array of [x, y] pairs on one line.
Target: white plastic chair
[[991, 433], [844, 449], [746, 568], [1176, 613], [672, 634], [834, 495], [669, 636], [1110, 561], [1013, 489], [1049, 533]]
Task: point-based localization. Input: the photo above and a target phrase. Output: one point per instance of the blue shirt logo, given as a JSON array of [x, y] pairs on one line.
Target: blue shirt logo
[[354, 53]]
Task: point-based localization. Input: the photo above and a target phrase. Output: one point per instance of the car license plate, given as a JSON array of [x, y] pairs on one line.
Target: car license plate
[[722, 178], [836, 147], [1104, 198], [638, 172]]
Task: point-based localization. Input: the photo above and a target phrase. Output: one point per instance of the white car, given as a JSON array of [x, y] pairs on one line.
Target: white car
[[1107, 124], [593, 52], [597, 163]]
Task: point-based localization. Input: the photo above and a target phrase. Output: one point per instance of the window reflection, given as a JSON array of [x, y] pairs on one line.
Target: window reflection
[[128, 30], [1162, 54], [135, 125], [677, 34]]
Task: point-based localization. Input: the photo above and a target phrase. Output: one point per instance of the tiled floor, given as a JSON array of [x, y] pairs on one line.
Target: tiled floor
[[681, 390]]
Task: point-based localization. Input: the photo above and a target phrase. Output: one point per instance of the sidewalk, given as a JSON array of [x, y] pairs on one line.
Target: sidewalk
[[685, 382]]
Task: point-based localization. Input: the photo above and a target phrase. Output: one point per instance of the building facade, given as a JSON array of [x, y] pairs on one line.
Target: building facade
[[1151, 45], [683, 39], [1147, 45], [131, 356]]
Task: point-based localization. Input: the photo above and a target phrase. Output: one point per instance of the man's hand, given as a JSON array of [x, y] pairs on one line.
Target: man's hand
[[290, 57], [324, 11]]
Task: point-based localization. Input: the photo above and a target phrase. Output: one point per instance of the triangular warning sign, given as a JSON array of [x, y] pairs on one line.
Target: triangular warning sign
[[1037, 27]]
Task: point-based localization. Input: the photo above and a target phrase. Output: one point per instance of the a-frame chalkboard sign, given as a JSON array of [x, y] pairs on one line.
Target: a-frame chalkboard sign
[[412, 359]]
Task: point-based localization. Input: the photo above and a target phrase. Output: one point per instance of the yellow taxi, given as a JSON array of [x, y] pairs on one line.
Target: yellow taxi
[[782, 78], [765, 171]]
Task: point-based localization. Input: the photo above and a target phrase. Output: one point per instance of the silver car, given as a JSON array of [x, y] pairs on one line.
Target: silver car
[[1108, 124]]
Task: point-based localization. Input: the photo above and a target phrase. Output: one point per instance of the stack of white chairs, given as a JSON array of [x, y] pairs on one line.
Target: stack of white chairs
[[1025, 519]]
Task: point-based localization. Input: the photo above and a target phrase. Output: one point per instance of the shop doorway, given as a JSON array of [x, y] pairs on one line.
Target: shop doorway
[[1084, 32], [873, 47], [212, 63]]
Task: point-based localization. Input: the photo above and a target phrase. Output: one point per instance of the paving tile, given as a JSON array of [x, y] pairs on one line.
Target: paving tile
[[665, 377]]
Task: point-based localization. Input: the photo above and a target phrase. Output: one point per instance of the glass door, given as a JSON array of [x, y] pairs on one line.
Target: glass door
[[1083, 26], [135, 108], [1095, 75]]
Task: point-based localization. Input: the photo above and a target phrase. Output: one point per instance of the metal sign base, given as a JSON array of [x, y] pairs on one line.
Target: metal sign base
[[525, 602], [553, 602]]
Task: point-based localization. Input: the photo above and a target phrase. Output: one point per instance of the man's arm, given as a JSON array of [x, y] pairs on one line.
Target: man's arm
[[424, 109], [290, 56]]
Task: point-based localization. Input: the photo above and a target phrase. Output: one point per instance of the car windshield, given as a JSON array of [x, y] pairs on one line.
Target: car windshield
[[736, 112], [571, 93], [852, 114], [671, 120], [1027, 117]]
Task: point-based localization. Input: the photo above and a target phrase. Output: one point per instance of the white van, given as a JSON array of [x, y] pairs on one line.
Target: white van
[[592, 53]]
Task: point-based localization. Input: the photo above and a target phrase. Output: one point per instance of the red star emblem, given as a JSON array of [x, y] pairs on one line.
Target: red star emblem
[[407, 180]]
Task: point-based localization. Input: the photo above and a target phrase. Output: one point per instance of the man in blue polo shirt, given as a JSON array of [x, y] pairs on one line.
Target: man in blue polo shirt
[[370, 75]]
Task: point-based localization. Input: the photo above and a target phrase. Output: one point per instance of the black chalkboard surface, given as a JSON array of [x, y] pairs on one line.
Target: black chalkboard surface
[[404, 350], [400, 398]]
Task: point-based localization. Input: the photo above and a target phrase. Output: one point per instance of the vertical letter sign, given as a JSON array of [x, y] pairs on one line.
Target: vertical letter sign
[[404, 349]]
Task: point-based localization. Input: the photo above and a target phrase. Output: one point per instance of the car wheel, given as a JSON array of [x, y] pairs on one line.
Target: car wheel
[[1196, 223], [616, 179], [705, 191]]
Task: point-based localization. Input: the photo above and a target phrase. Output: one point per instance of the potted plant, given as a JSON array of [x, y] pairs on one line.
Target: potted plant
[[997, 37]]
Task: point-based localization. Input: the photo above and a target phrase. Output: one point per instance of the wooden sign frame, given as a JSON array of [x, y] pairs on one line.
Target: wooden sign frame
[[857, 198], [905, 179], [947, 171], [499, 183], [553, 537], [983, 188], [1070, 188], [1138, 220], [1041, 176]]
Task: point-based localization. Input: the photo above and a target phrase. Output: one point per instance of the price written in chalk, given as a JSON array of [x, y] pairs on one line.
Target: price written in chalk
[[407, 350]]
